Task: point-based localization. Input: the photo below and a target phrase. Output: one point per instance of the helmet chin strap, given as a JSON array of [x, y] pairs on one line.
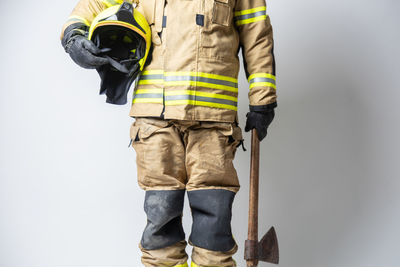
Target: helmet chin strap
[[121, 67]]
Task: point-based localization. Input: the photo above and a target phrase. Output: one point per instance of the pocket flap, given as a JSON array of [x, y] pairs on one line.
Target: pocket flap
[[237, 133], [222, 13], [133, 131], [158, 14], [147, 130], [149, 125]]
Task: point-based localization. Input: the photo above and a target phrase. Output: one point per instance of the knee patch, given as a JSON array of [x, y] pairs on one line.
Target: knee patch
[[212, 213], [164, 218]]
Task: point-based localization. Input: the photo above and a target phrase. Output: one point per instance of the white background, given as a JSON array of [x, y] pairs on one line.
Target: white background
[[330, 164]]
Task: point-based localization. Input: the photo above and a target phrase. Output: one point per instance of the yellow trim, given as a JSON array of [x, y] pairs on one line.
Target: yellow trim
[[262, 75], [250, 20], [182, 265], [198, 103], [197, 93], [85, 21], [193, 83], [148, 100], [262, 84], [148, 91], [155, 81], [251, 10], [119, 23], [203, 84], [193, 264], [146, 72]]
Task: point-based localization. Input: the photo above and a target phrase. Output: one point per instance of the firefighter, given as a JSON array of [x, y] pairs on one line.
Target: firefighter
[[186, 129]]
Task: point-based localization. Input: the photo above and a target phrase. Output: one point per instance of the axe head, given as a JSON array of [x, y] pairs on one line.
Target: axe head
[[268, 247], [265, 250]]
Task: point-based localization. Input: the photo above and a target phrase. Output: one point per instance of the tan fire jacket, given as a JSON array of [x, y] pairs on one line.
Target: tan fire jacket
[[194, 67]]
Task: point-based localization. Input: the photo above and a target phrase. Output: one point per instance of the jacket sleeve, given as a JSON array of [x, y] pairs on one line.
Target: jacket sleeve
[[256, 40], [85, 11]]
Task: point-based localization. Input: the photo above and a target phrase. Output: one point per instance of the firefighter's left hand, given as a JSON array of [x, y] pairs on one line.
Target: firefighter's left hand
[[260, 120]]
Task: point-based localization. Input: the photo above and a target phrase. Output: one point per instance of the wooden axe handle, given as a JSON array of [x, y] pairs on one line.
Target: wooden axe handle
[[253, 197]]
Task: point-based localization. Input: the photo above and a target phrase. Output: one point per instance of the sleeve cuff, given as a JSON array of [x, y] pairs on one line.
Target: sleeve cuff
[[73, 30], [263, 108]]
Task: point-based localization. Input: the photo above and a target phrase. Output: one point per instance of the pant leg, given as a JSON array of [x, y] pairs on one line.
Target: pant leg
[[210, 258], [161, 173], [212, 185], [167, 256]]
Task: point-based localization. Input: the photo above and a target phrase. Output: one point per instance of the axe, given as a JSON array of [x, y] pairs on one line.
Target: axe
[[267, 249]]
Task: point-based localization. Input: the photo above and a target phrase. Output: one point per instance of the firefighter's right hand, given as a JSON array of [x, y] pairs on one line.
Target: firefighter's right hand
[[84, 52], [260, 121]]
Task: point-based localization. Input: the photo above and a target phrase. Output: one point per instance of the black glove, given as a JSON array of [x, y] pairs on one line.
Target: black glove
[[260, 117], [82, 51]]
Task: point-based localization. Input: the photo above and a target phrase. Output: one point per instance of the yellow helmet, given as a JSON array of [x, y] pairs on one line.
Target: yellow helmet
[[124, 37]]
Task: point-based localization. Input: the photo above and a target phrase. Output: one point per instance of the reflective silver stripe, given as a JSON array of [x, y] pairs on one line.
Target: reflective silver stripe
[[152, 77], [148, 96], [201, 98], [251, 15], [262, 79], [200, 79]]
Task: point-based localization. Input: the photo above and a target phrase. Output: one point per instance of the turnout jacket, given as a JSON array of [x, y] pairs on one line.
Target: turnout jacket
[[194, 63]]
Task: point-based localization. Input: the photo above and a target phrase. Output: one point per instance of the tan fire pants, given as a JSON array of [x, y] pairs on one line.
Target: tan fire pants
[[174, 157]]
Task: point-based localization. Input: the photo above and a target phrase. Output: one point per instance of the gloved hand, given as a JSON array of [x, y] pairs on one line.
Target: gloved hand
[[260, 117], [82, 51]]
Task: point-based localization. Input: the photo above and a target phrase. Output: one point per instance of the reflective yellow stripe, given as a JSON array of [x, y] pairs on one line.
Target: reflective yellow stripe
[[203, 84], [262, 79], [155, 81], [152, 72], [202, 79], [182, 265], [246, 21], [199, 103], [148, 91], [250, 15], [251, 10], [262, 75], [78, 18], [193, 264], [148, 100], [197, 93], [262, 84]]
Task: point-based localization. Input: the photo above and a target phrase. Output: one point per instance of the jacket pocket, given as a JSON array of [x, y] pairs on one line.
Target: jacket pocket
[[219, 38], [147, 126], [230, 130], [234, 137], [143, 128], [134, 134], [222, 12]]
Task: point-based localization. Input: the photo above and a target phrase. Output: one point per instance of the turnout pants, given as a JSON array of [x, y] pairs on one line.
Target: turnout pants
[[177, 156]]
